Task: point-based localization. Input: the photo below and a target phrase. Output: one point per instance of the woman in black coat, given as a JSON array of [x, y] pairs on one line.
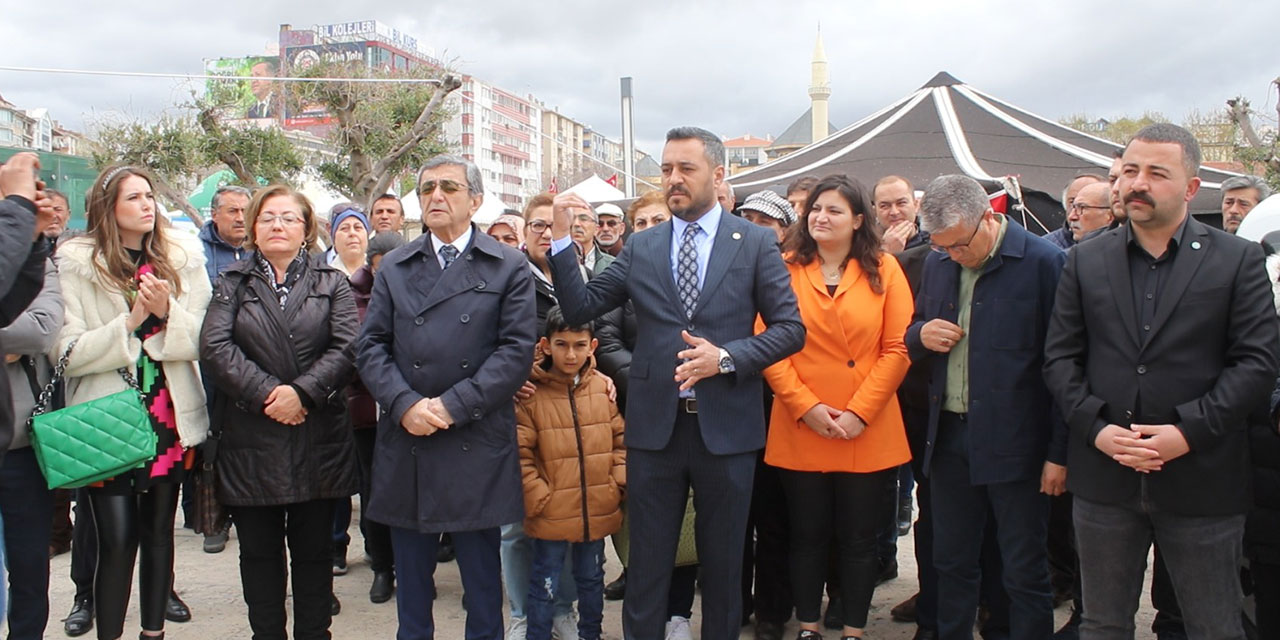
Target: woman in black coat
[[278, 342]]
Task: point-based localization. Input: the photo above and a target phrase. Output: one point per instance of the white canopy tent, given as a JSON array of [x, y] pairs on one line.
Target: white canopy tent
[[489, 210], [595, 191], [1263, 219]]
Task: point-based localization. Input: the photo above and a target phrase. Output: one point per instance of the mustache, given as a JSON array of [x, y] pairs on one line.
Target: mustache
[[674, 190], [1140, 196]]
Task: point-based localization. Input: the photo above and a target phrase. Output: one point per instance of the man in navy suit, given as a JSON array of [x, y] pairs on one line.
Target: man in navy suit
[[694, 406], [994, 442]]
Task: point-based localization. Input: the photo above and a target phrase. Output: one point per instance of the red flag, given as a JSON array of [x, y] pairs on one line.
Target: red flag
[[999, 201], [553, 188], [613, 181]]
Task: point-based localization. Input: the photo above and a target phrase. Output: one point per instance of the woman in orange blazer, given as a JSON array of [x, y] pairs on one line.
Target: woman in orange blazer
[[836, 430]]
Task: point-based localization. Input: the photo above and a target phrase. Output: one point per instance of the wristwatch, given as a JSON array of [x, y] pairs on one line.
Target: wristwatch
[[726, 362]]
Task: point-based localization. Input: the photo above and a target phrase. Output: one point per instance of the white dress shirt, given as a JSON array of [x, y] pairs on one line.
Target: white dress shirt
[[460, 244]]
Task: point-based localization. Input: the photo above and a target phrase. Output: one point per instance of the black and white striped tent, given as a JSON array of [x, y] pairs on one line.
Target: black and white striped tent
[[947, 127]]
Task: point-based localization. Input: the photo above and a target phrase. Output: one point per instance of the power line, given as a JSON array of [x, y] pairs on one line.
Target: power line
[[189, 76]]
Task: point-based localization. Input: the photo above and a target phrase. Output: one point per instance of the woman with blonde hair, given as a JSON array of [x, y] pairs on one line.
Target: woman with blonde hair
[[135, 297]]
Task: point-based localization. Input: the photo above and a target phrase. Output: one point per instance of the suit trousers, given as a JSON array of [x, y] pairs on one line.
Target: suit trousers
[[1202, 553], [480, 565], [658, 485], [960, 511], [263, 533]]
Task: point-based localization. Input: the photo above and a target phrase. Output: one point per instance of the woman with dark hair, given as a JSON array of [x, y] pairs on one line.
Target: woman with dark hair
[[836, 430], [364, 420], [135, 298], [278, 343]]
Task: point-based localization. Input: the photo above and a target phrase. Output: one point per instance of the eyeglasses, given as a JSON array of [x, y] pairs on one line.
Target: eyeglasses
[[287, 219], [959, 245], [1082, 207], [449, 186], [610, 223], [538, 226]]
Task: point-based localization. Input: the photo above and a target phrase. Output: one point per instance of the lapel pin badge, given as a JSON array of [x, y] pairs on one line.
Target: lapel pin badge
[[737, 236], [1195, 245]]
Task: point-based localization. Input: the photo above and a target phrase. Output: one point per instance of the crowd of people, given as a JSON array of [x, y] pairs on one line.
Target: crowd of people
[[741, 395]]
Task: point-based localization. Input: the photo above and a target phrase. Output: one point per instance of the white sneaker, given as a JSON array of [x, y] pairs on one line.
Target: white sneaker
[[519, 627], [678, 629], [565, 627]]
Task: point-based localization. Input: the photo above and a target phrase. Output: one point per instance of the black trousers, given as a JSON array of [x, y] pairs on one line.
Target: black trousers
[[823, 503], [84, 547], [27, 507], [1064, 565], [766, 561], [1266, 593], [658, 485], [377, 536], [130, 525], [263, 534]]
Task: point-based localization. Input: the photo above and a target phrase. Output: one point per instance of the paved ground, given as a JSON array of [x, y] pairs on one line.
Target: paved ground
[[210, 584]]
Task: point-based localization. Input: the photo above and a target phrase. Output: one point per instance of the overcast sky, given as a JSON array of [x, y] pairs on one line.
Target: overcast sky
[[733, 67]]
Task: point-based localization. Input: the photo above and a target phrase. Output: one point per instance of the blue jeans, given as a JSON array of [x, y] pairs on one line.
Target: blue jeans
[[26, 504], [517, 560], [544, 584], [1202, 554]]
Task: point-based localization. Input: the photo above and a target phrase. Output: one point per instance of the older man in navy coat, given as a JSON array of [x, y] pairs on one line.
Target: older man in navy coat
[[447, 341], [694, 408], [994, 441]]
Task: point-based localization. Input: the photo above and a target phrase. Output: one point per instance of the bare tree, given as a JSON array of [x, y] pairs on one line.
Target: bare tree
[[383, 129]]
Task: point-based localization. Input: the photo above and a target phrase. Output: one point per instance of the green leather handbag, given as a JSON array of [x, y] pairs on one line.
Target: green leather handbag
[[94, 440]]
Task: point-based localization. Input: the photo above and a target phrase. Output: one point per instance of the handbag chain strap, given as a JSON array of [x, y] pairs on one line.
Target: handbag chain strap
[[59, 372]]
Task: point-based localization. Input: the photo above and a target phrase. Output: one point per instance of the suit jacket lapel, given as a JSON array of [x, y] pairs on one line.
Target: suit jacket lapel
[[1117, 262], [724, 248], [1195, 244], [459, 277], [663, 265]]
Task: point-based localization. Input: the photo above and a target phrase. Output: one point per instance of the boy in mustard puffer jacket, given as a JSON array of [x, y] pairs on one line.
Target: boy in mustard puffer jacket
[[574, 467]]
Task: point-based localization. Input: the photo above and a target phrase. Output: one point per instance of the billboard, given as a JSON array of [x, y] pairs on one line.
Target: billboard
[[253, 97], [298, 59]]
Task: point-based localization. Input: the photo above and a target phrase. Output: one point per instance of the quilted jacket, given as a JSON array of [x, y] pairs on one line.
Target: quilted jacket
[[572, 457], [250, 346]]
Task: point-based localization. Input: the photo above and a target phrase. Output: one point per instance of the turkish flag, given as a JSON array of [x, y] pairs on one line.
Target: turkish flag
[[999, 201], [613, 180], [554, 188]]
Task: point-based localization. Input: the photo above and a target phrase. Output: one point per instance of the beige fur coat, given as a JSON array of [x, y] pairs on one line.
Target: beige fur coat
[[95, 317]]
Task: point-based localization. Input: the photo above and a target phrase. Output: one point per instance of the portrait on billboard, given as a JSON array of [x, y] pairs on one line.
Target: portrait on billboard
[[257, 96]]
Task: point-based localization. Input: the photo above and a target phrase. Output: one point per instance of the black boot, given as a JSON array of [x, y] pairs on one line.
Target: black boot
[[175, 610]]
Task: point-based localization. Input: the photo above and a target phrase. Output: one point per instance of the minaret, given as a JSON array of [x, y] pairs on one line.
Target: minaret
[[819, 90]]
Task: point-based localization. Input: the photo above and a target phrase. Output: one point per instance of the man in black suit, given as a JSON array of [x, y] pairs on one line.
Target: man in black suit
[[694, 413], [1163, 340]]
